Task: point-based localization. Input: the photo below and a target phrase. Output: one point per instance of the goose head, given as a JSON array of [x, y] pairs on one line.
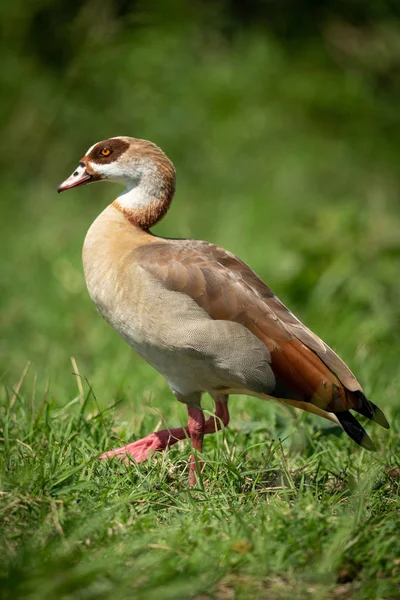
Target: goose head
[[140, 166]]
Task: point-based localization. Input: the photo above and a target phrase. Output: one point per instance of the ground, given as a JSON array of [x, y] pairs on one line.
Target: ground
[[283, 507]]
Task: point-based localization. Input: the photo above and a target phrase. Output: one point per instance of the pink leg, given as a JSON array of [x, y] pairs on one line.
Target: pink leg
[[196, 429], [147, 446], [161, 440], [221, 417]]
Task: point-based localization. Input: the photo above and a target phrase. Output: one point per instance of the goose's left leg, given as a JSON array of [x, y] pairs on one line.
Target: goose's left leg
[[198, 427], [161, 440]]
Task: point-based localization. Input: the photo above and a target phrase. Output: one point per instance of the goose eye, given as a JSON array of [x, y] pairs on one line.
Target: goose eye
[[105, 152]]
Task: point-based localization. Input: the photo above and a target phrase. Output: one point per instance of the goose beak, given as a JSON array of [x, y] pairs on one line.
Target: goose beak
[[78, 177]]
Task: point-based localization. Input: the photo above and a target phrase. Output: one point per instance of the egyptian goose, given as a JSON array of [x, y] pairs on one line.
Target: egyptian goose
[[197, 313]]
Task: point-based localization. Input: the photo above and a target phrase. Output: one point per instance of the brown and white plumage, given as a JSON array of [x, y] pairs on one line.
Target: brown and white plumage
[[196, 312]]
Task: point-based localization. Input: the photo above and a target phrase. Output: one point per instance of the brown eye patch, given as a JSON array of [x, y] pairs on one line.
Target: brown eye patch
[[108, 151]]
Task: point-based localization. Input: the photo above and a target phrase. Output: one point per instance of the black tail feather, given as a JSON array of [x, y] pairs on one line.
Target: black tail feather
[[371, 411], [354, 430]]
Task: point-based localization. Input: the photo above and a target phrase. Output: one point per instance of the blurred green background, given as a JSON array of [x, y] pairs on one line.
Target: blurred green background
[[283, 121], [282, 118]]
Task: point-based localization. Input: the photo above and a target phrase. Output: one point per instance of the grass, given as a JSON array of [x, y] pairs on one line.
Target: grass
[[289, 161], [306, 514]]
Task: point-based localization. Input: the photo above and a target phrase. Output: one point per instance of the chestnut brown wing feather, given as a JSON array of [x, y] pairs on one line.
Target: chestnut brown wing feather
[[227, 289]]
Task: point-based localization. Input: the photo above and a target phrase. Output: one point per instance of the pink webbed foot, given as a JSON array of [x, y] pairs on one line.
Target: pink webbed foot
[[161, 440], [147, 446]]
